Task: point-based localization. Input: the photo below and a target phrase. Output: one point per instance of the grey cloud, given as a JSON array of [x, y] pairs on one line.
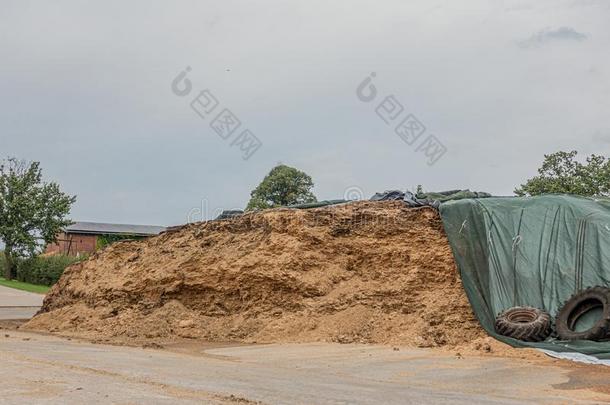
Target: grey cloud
[[557, 35], [601, 137], [91, 98]]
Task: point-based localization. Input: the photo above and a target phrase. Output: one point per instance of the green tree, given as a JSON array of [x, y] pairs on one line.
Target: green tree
[[562, 173], [284, 185], [30, 211]]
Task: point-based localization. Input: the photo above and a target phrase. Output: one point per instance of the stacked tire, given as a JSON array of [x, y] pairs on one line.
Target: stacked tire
[[534, 325], [577, 306], [524, 323]]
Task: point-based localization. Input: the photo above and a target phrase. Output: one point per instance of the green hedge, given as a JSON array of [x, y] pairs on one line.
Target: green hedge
[[41, 270], [105, 240]]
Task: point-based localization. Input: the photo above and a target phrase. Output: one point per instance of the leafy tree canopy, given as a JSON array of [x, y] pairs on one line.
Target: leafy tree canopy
[[31, 212], [562, 173], [284, 185]]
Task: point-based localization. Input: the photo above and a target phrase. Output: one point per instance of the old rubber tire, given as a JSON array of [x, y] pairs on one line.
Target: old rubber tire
[[579, 304], [524, 323]]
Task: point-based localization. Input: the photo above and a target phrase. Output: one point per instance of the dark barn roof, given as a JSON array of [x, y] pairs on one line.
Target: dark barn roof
[[95, 228]]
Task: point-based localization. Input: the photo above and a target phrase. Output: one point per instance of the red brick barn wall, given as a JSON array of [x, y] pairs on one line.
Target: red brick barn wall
[[73, 244]]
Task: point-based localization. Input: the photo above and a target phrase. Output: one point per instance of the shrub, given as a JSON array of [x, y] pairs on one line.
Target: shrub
[[44, 270], [105, 240], [2, 263]]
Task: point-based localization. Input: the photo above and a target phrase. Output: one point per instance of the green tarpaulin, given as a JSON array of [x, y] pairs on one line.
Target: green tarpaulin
[[534, 251]]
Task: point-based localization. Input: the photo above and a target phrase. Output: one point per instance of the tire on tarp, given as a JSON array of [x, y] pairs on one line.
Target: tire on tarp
[[524, 323], [578, 305]]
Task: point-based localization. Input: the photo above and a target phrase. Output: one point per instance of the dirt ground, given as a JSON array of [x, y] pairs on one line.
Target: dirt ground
[[38, 368]]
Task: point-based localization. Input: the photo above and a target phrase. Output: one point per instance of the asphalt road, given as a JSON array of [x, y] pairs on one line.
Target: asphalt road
[[17, 312], [44, 369], [17, 304]]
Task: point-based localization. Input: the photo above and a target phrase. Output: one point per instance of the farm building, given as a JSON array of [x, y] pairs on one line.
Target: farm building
[[86, 237]]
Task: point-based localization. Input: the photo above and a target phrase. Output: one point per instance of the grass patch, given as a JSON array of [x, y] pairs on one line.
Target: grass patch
[[20, 285]]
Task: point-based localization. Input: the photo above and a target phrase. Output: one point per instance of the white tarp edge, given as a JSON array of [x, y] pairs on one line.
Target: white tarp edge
[[577, 357]]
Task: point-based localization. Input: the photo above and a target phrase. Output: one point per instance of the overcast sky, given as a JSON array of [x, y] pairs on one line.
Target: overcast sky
[[86, 89]]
